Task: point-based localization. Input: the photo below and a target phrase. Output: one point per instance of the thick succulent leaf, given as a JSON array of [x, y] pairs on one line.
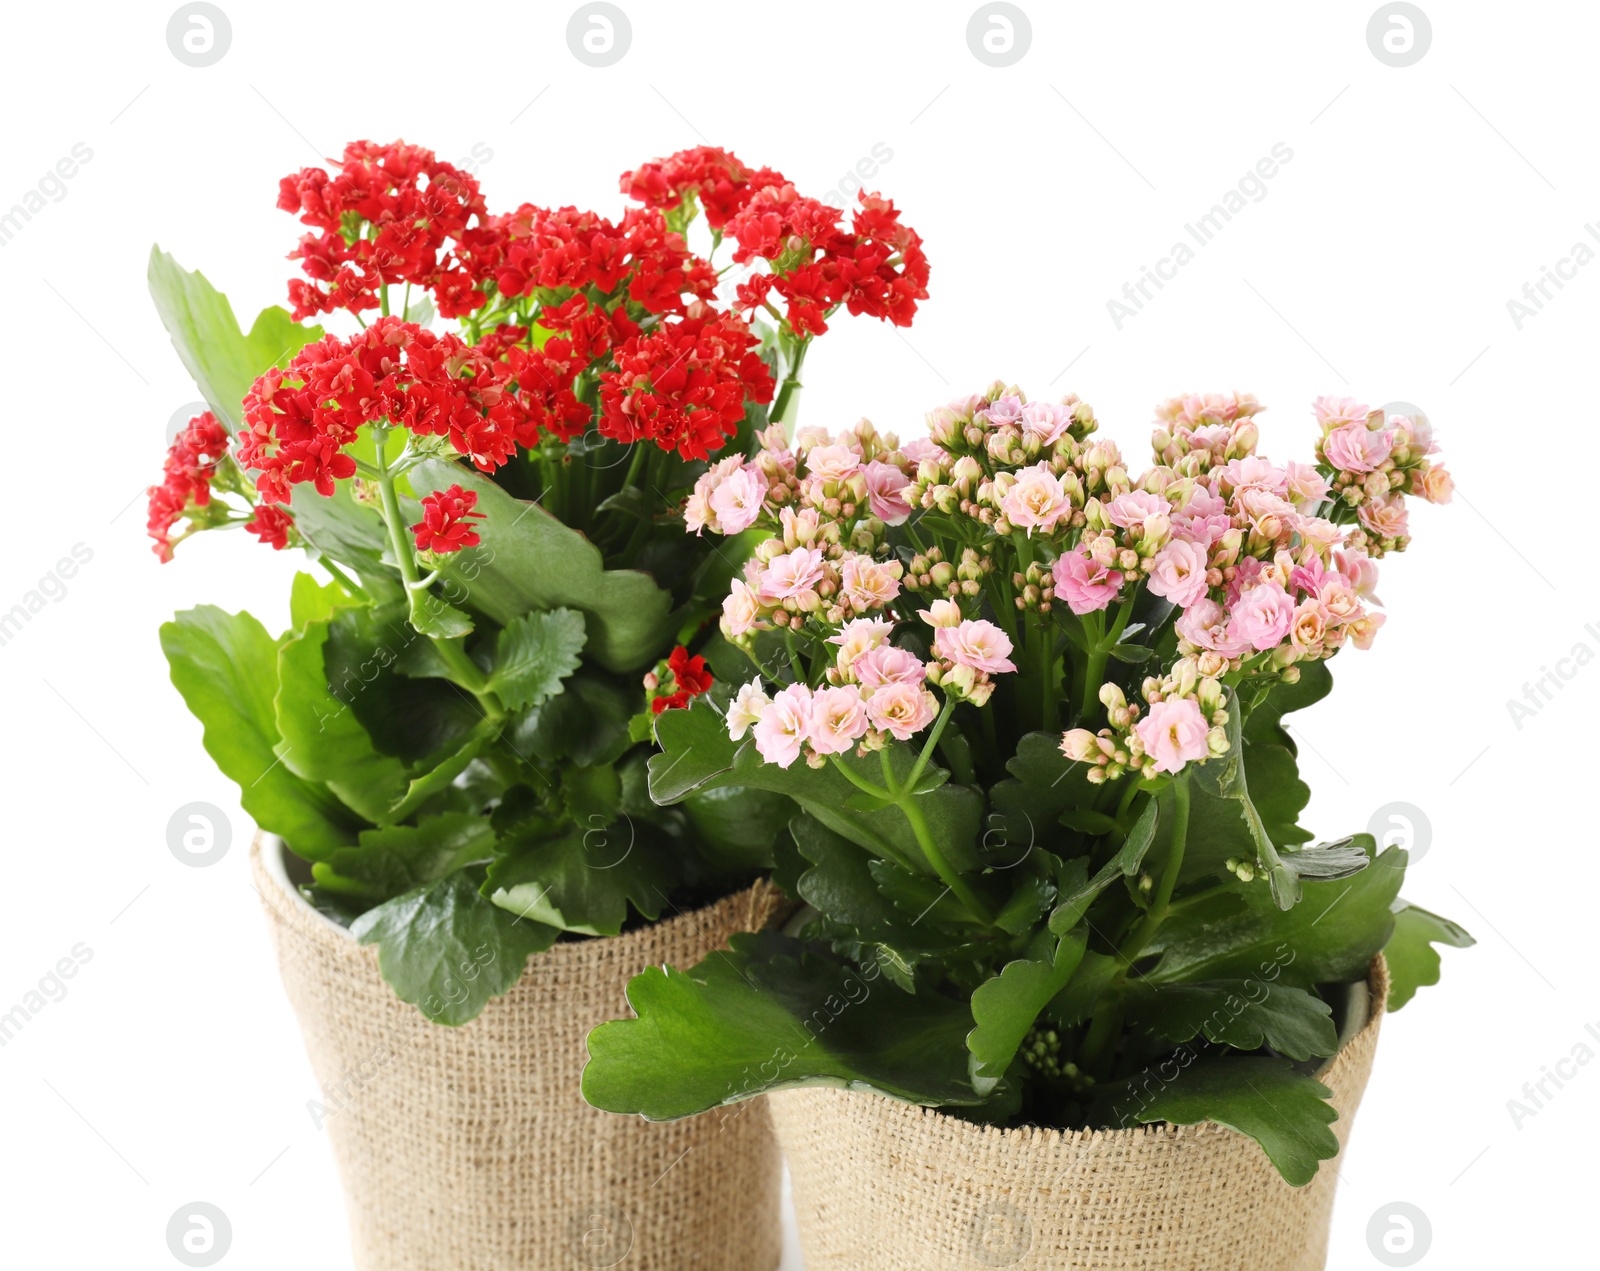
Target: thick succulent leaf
[[226, 667], [583, 881], [1283, 1110], [397, 858], [534, 654], [697, 754], [223, 360], [736, 826], [1006, 1006], [766, 1015], [1338, 859], [1413, 961], [1026, 808], [1244, 1014], [447, 950], [530, 560], [587, 723], [1329, 937]]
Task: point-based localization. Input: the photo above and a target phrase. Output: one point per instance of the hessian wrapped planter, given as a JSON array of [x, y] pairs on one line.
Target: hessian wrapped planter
[[470, 1148], [894, 1187]]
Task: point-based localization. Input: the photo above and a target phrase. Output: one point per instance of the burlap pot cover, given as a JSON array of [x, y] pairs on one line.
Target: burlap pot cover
[[881, 1185], [471, 1149]]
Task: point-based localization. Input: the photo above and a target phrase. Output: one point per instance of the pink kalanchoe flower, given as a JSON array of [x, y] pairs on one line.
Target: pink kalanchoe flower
[[885, 485], [1309, 626], [1174, 734], [745, 709], [1178, 572], [1254, 473], [1361, 570], [918, 449], [832, 462], [1364, 628], [838, 719], [784, 725], [1036, 500], [1205, 625], [866, 583], [1307, 486], [741, 607], [1004, 410], [790, 574], [1044, 422], [859, 637], [1385, 517], [738, 499], [1136, 507], [1357, 448], [1262, 615], [975, 643], [1332, 412], [887, 664], [1436, 485], [941, 613], [901, 710], [1084, 583]]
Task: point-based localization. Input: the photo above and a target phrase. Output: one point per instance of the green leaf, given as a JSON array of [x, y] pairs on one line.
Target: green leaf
[[1284, 1111], [1044, 784], [1005, 1007], [1413, 961], [1226, 778], [587, 723], [530, 560], [737, 826], [1329, 937], [583, 881], [349, 533], [226, 667], [1133, 654], [1076, 901], [398, 858], [1339, 859], [311, 601], [223, 360], [534, 654], [447, 950], [768, 1015], [1244, 1014]]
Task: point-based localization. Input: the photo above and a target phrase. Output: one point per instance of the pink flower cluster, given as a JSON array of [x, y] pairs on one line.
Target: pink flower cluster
[[1185, 723], [1372, 461], [875, 690]]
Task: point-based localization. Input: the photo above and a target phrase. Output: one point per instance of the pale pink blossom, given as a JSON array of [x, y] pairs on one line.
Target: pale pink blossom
[[1309, 625], [1306, 486], [1385, 517], [1339, 599], [1203, 518], [697, 511], [902, 710], [859, 636], [790, 574], [1136, 507], [1333, 412], [1036, 500], [741, 607], [1364, 628], [738, 500], [1043, 422], [1319, 533], [1084, 583], [866, 583], [784, 725], [941, 613], [1255, 473], [1004, 410], [1174, 734], [1357, 448], [1178, 572], [832, 462], [745, 709], [1204, 625], [1262, 615], [838, 719], [887, 664], [1265, 511], [1360, 569], [1436, 485], [1414, 432], [885, 485], [918, 449], [975, 643]]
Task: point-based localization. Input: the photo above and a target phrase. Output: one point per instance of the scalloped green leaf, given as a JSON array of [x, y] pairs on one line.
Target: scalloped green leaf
[[534, 654], [1244, 1014], [1006, 1006], [1413, 961]]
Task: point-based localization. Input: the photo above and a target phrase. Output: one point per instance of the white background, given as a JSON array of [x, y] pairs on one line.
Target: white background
[[1379, 263]]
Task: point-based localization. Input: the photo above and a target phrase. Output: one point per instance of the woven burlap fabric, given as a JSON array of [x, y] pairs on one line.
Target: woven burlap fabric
[[881, 1185], [471, 1149]]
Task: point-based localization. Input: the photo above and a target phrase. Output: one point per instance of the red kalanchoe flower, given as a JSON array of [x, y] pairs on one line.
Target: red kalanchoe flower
[[779, 223], [446, 521], [393, 213], [690, 678], [683, 385], [186, 483], [271, 525], [715, 177]]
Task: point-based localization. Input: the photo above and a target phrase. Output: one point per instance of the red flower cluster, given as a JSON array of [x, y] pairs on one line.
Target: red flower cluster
[[683, 385], [271, 525], [446, 521], [715, 177], [385, 218], [186, 480], [299, 421], [689, 679]]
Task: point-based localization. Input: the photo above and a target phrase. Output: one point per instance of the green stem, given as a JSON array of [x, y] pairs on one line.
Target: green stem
[[933, 740], [941, 867]]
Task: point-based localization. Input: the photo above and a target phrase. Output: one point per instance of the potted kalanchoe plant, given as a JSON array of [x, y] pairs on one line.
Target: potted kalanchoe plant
[[446, 749], [1027, 707]]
